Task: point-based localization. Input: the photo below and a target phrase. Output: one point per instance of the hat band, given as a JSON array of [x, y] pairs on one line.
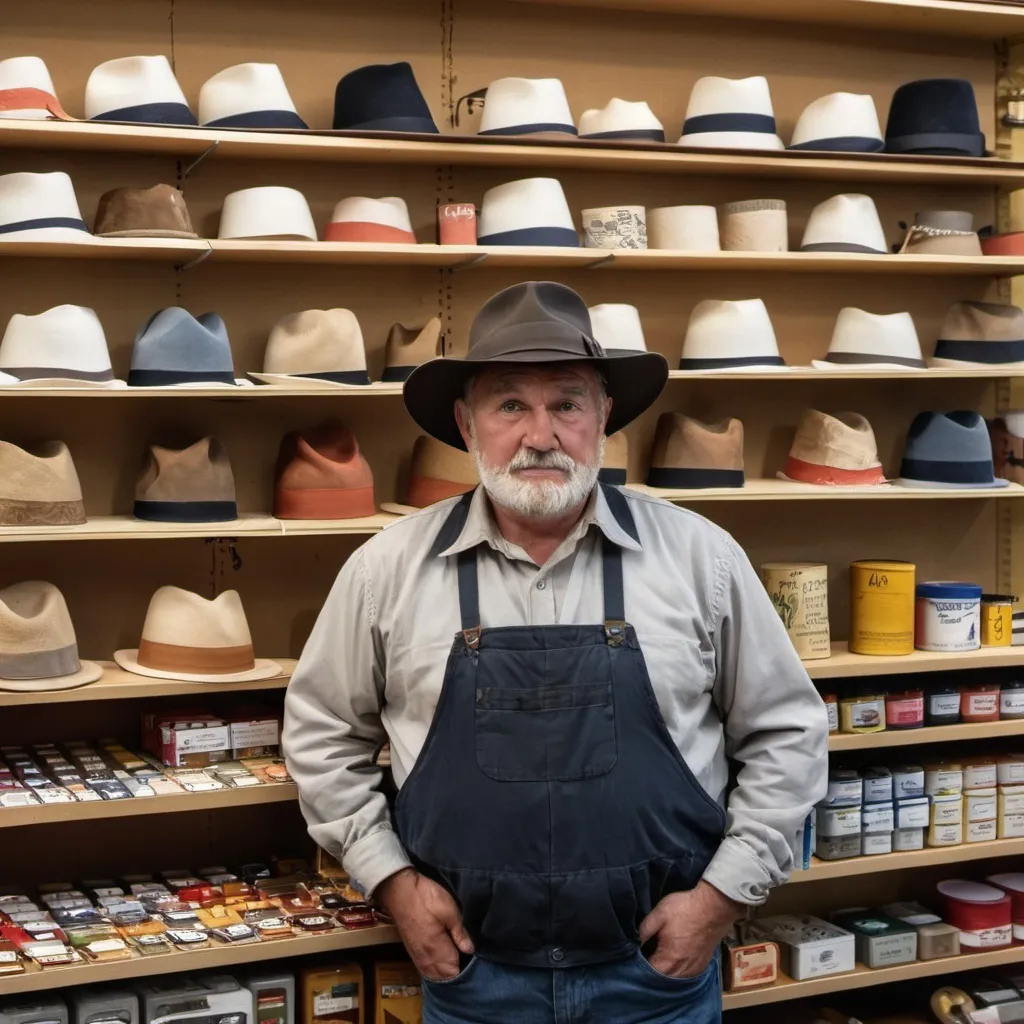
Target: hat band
[[31, 99], [533, 236], [396, 374], [259, 119], [991, 352], [62, 661], [162, 378], [185, 511], [531, 129], [840, 247], [703, 123], [611, 475], [844, 144], [856, 358], [44, 372], [44, 222], [422, 125], [634, 134], [324, 503], [725, 364], [971, 144], [367, 231], [675, 478], [181, 658], [817, 473], [336, 376], [948, 472], [17, 512], [151, 113]]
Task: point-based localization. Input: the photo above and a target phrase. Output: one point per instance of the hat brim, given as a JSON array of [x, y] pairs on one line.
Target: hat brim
[[633, 383], [146, 233], [88, 672], [397, 509], [263, 669], [305, 383], [939, 485], [66, 383], [881, 364]]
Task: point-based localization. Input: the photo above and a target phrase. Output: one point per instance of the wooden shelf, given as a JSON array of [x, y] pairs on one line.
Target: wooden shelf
[[786, 490], [844, 665], [36, 980], [850, 373], [966, 18], [512, 154], [828, 869], [128, 528], [117, 684], [889, 738], [497, 257], [864, 977]]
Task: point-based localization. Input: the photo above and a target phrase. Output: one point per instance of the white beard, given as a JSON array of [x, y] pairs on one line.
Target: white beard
[[541, 499]]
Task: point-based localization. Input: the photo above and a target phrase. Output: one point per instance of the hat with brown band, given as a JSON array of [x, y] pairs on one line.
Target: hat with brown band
[[690, 454], [834, 450], [321, 474], [38, 649], [157, 212], [539, 323], [189, 638], [39, 486], [616, 460], [187, 485], [408, 347], [437, 471]]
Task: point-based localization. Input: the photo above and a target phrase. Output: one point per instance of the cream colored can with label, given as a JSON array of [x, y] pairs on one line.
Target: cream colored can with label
[[882, 607], [799, 591]]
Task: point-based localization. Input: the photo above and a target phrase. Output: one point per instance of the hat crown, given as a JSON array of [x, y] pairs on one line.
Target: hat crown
[[173, 339], [315, 341], [375, 95], [26, 73], [715, 95], [682, 442], [945, 220], [526, 203], [843, 441], [839, 114], [934, 105], [389, 210], [41, 472], [410, 346], [617, 325], [960, 436], [183, 618], [524, 103], [724, 329], [243, 89], [845, 221], [883, 334], [983, 321], [616, 451], [61, 337], [159, 208], [619, 115], [25, 195], [34, 618], [326, 457], [130, 82], [266, 211], [200, 472]]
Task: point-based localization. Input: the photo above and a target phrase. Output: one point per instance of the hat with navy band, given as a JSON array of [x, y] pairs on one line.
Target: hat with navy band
[[174, 348], [981, 334], [248, 96], [690, 454], [950, 450], [382, 98], [937, 116], [842, 122], [187, 485], [136, 89], [622, 121], [40, 208], [615, 464], [734, 336], [526, 106], [731, 114], [531, 211]]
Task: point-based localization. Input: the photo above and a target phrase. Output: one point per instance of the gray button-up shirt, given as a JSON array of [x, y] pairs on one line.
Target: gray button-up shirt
[[726, 677]]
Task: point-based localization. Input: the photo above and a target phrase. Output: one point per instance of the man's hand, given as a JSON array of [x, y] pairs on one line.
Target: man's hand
[[429, 922], [688, 927]]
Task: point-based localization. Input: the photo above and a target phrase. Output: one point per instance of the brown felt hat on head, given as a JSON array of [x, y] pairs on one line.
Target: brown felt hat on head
[[535, 322], [157, 212]]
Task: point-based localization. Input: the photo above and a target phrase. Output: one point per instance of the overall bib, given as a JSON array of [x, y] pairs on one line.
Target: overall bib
[[549, 797]]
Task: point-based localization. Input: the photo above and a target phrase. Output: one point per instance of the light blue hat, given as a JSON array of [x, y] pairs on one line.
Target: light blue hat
[[174, 347], [949, 450]]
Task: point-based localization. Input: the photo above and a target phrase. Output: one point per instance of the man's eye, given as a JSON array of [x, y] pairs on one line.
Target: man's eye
[[510, 407], [567, 406]]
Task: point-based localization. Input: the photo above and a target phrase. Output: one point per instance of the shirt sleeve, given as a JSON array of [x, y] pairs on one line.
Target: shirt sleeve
[[332, 730], [776, 732]]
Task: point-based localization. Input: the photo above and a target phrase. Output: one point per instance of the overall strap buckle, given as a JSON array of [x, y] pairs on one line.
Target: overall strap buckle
[[471, 637], [614, 632]]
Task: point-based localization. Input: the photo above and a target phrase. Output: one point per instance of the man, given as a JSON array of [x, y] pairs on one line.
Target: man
[[558, 852]]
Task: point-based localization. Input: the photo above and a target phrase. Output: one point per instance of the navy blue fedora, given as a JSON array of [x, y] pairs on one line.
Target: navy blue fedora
[[937, 116], [382, 98]]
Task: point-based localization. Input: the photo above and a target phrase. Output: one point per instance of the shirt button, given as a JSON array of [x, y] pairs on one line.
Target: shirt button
[[541, 584], [557, 954]]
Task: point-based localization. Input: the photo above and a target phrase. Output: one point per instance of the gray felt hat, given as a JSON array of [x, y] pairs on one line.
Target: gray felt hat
[[949, 450], [173, 348], [533, 322]]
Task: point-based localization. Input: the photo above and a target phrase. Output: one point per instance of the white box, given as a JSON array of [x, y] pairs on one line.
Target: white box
[[838, 821], [912, 812], [810, 947], [946, 810], [877, 818], [980, 805]]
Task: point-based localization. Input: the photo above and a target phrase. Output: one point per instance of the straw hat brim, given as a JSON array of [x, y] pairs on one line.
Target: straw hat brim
[[72, 383], [263, 669], [147, 233], [88, 672], [305, 383], [633, 382]]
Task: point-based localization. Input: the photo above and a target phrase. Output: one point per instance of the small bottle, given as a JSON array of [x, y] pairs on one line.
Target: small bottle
[[1011, 699], [979, 702], [943, 706], [832, 710], [904, 710]]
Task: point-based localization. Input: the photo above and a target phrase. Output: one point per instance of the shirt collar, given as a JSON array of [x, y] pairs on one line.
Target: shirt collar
[[481, 528]]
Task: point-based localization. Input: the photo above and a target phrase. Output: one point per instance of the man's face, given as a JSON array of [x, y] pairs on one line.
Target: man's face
[[537, 434]]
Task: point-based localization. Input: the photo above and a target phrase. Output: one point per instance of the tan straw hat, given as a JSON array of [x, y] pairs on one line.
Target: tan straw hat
[[690, 454], [616, 459], [189, 638], [438, 471], [39, 486], [837, 450], [38, 650], [318, 349], [188, 485], [408, 347]]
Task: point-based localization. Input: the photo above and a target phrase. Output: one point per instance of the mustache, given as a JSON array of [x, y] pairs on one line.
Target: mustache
[[530, 458]]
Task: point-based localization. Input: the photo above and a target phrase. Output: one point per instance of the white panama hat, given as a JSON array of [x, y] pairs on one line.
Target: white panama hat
[[616, 327], [872, 341], [526, 106], [730, 336], [622, 120], [842, 122], [731, 113], [531, 211], [28, 77], [40, 208], [844, 223], [248, 96], [138, 89], [361, 219], [267, 211]]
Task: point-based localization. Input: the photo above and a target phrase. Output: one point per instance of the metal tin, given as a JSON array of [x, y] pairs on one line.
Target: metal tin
[[947, 616], [799, 592], [882, 607], [1011, 699], [862, 713], [997, 619]]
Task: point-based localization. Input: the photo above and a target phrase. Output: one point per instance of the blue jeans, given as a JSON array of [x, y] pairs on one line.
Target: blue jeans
[[622, 992]]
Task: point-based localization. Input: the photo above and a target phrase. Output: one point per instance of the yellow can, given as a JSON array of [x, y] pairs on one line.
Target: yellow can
[[997, 620], [882, 607]]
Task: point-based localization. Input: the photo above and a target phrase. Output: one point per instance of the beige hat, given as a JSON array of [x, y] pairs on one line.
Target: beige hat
[[755, 225], [188, 485], [318, 349], [983, 334], [39, 486], [836, 450], [38, 650], [616, 459], [690, 454], [942, 233], [407, 347], [189, 638], [438, 471]]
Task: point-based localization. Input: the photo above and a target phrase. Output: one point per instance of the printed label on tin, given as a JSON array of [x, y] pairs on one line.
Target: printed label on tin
[[946, 625], [944, 704], [833, 714], [867, 714], [986, 938], [982, 704]]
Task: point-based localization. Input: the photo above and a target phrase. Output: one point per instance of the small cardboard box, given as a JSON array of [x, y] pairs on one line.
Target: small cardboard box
[[333, 994], [880, 941], [399, 993], [810, 947]]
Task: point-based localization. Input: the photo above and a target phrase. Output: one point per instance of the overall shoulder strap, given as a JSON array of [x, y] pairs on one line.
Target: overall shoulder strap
[[469, 594], [611, 566]]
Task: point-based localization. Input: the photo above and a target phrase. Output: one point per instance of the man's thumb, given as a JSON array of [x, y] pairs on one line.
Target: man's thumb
[[650, 925], [461, 938]]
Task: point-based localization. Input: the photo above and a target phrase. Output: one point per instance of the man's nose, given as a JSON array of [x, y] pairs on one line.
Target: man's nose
[[540, 431]]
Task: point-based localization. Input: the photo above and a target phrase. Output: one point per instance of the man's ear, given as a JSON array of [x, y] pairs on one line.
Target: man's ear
[[463, 421], [607, 412]]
